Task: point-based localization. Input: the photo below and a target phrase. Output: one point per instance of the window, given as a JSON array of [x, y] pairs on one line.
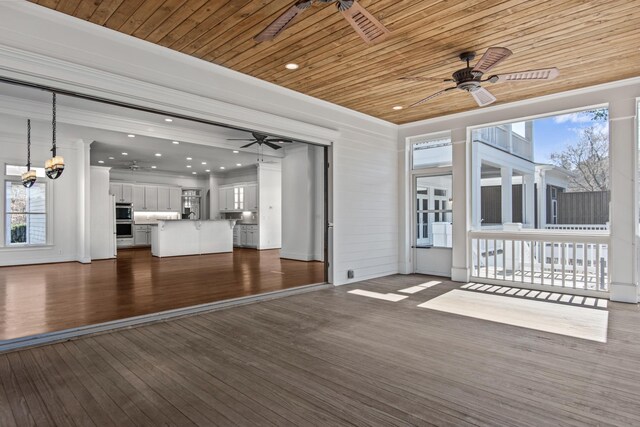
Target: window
[[547, 173], [15, 170], [25, 214], [434, 211], [191, 204], [431, 151]]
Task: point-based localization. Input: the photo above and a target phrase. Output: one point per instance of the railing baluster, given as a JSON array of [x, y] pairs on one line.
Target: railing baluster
[[495, 258], [521, 261], [486, 258], [573, 248], [563, 248], [597, 261], [585, 263], [478, 255], [513, 260], [504, 260], [553, 265], [532, 256]]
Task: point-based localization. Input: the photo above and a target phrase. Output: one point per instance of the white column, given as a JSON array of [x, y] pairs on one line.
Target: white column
[[542, 199], [623, 216], [83, 168], [529, 199], [506, 175], [461, 206]]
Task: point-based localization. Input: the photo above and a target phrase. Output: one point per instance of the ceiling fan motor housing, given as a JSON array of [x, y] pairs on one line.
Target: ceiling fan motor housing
[[466, 79]]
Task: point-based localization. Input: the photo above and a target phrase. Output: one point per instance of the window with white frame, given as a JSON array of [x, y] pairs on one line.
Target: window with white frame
[[25, 213], [431, 151]]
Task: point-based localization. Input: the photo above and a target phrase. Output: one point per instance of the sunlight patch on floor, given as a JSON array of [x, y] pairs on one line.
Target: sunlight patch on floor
[[418, 288], [378, 295], [564, 319]]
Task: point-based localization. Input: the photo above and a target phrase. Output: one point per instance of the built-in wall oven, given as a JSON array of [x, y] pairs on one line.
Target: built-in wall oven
[[124, 212], [124, 220]]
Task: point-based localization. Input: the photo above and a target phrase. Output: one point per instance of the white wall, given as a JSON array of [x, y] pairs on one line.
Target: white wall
[[62, 195], [302, 203], [270, 205], [54, 49], [102, 215]]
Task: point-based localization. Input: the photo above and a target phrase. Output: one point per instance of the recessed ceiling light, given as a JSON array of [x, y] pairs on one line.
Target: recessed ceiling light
[[222, 167], [398, 107], [153, 167], [111, 158], [158, 155], [168, 120], [207, 170], [100, 161], [125, 154], [292, 66], [193, 173], [131, 135], [235, 151], [238, 164], [204, 163], [176, 142], [189, 158], [188, 166]]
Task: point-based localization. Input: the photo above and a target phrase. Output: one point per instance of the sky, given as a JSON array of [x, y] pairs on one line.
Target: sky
[[552, 134]]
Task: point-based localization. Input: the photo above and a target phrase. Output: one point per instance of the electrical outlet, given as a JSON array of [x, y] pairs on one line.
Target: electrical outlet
[[350, 274]]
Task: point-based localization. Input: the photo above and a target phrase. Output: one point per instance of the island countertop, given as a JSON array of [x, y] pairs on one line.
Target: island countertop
[[191, 237]]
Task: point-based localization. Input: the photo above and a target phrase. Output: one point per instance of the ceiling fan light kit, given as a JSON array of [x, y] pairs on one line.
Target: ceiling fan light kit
[[364, 23], [470, 79]]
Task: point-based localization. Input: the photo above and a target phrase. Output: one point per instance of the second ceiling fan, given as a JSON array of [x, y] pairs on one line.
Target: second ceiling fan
[[469, 79], [367, 27]]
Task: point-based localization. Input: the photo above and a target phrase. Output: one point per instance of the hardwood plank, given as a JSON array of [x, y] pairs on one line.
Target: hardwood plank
[[104, 11], [55, 297]]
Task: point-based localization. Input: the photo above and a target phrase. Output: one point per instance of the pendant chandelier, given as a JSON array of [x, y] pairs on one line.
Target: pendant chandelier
[[29, 177], [54, 166]]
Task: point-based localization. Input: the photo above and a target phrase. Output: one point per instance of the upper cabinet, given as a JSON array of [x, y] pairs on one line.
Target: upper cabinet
[[123, 192], [153, 198], [238, 197]]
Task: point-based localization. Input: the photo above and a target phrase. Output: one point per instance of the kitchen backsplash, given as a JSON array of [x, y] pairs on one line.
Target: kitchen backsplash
[[153, 217]]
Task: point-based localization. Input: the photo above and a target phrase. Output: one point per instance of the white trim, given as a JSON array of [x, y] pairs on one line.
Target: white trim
[[69, 334]]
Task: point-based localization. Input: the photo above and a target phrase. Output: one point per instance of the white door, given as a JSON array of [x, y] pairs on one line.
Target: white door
[[433, 207]]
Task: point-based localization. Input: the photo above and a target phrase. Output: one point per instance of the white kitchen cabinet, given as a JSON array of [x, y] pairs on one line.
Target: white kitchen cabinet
[[247, 236], [151, 198], [142, 235], [251, 197], [125, 242], [163, 199], [138, 198], [226, 198], [123, 192], [175, 199], [236, 235]]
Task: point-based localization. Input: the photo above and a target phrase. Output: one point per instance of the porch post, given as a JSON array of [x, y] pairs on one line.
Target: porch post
[[529, 199], [506, 174], [623, 213], [542, 199], [461, 205]]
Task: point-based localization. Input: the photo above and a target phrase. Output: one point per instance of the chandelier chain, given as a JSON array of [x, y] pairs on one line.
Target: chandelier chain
[[53, 124], [28, 144]]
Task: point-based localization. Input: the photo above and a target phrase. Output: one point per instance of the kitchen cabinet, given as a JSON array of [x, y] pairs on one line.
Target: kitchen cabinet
[[151, 198], [142, 235], [238, 197], [247, 236], [123, 192], [163, 199], [124, 242], [175, 199], [138, 198], [251, 197]]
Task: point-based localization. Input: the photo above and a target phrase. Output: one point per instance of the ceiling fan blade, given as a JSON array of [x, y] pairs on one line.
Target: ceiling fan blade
[[422, 101], [278, 140], [492, 57], [367, 27], [531, 75], [242, 139], [425, 79], [248, 145], [274, 146], [483, 97], [283, 21]]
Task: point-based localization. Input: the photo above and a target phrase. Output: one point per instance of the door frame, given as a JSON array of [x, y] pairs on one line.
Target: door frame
[[415, 174]]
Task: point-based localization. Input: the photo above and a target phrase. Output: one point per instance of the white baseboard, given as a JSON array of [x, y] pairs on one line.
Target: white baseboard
[[298, 256]]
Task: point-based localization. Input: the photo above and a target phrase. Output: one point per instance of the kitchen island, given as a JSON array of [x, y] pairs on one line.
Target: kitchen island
[[191, 237]]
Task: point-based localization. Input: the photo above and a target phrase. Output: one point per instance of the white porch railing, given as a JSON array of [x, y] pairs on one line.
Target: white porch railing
[[540, 259]]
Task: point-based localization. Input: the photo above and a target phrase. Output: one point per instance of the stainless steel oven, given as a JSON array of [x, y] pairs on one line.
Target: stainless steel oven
[[124, 212], [124, 229]]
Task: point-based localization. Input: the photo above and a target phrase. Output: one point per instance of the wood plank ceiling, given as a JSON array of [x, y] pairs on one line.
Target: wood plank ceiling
[[590, 42]]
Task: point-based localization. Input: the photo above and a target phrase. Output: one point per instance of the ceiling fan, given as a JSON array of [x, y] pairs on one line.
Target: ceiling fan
[[133, 166], [261, 139], [470, 78], [367, 27]]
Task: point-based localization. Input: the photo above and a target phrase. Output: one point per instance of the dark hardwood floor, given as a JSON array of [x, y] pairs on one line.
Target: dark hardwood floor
[[36, 299], [329, 358]]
